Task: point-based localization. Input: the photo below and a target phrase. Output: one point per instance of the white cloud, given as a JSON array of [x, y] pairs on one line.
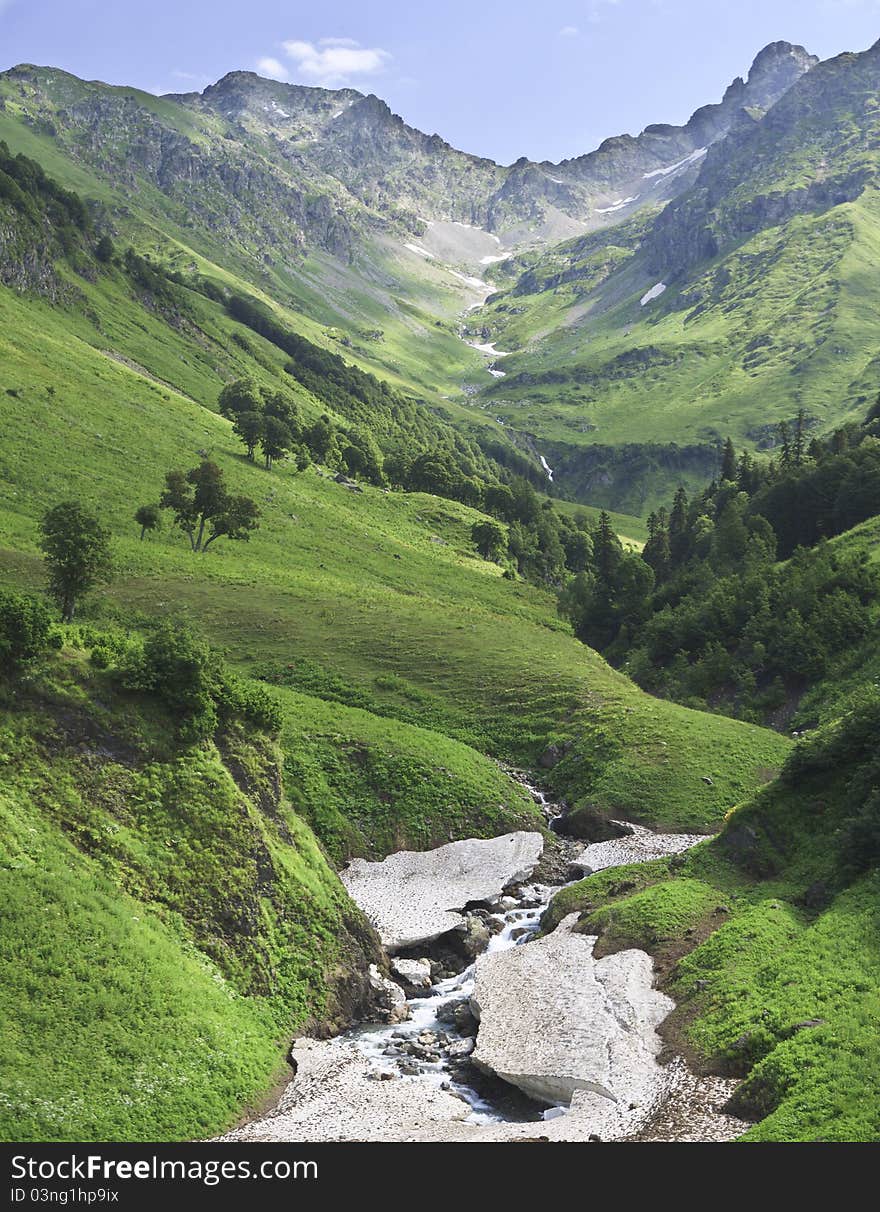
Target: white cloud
[[272, 68], [569, 31], [329, 61], [596, 9]]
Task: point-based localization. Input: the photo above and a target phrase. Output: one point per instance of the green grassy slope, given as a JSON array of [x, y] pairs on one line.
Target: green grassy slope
[[436, 637], [783, 321], [369, 785], [167, 927], [854, 678], [396, 312], [770, 263], [766, 938]]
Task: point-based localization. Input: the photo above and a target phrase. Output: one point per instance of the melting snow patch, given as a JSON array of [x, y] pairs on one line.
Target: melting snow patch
[[608, 210], [664, 172], [497, 374], [555, 180], [477, 283], [491, 260], [654, 293], [547, 468], [421, 252], [489, 348]]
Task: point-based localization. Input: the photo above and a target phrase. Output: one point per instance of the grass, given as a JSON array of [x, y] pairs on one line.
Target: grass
[[781, 321], [381, 590], [369, 786], [770, 954], [166, 929]]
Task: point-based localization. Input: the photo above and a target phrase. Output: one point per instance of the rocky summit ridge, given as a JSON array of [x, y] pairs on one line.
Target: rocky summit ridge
[[349, 151]]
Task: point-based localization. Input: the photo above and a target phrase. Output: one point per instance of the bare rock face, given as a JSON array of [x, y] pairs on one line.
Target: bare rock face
[[415, 973], [566, 1028], [390, 998], [414, 896], [638, 846]]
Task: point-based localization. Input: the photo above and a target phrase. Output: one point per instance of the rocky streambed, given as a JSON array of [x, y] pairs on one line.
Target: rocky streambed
[[490, 1033]]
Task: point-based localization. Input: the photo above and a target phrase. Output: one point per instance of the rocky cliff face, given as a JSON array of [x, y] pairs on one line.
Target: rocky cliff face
[[663, 159], [812, 151], [207, 174], [387, 164], [280, 167]]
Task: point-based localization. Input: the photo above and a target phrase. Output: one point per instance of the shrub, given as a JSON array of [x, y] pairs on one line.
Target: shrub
[[26, 632], [195, 685]]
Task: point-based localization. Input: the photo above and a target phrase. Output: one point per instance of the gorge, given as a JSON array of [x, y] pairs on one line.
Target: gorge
[[576, 1035]]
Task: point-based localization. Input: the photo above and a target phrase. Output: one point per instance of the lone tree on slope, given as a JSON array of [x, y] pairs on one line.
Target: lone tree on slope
[[77, 551], [148, 517], [204, 510], [490, 539], [275, 440]]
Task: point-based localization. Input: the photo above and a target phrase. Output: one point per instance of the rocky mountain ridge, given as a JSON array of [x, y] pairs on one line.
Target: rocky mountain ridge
[[299, 165]]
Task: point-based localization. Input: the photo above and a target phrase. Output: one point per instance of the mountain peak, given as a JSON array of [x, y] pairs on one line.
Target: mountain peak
[[774, 70], [781, 54]]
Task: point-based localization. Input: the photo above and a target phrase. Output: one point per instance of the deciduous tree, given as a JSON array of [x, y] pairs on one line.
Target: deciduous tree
[[77, 551]]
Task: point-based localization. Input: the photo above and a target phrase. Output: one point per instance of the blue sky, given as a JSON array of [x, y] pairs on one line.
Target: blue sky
[[542, 78]]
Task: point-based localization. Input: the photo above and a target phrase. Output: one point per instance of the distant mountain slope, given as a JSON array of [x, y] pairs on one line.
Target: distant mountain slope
[[248, 139], [750, 296], [382, 240]]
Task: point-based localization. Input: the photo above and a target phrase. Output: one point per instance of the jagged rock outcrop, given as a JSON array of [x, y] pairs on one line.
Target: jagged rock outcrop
[[799, 157], [283, 167], [415, 896]]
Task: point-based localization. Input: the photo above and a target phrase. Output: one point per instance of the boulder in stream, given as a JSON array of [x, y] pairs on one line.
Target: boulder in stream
[[414, 973]]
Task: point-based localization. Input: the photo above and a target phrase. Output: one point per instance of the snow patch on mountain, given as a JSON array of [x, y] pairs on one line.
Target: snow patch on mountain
[[421, 252], [654, 293], [673, 168], [609, 210]]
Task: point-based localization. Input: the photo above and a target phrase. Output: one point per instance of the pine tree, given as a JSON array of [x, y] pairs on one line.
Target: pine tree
[[607, 550], [656, 550], [785, 444], [728, 461], [746, 476], [678, 527], [799, 448]]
